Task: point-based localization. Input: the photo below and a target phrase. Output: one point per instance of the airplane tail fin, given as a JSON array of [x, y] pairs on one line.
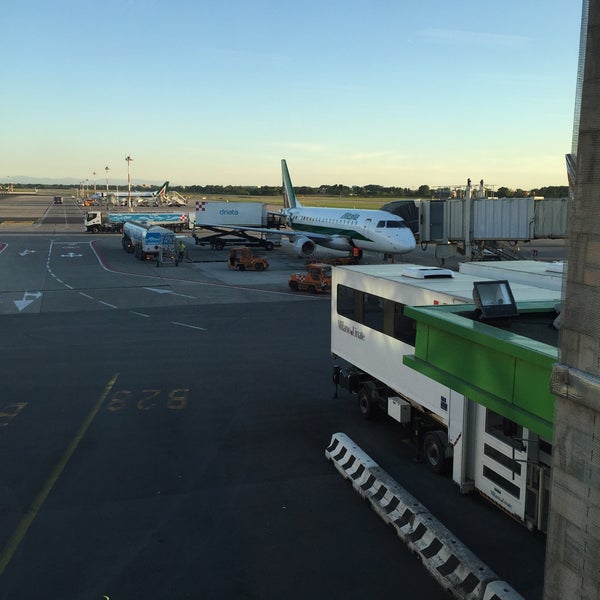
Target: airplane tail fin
[[163, 189], [289, 197]]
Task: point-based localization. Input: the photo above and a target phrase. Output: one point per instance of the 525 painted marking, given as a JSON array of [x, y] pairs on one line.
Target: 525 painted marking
[[148, 399]]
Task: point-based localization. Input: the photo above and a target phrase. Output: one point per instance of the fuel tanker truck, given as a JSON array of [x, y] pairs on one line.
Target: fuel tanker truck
[[96, 221], [148, 241]]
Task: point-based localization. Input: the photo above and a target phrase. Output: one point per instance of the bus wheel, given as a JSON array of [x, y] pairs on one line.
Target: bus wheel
[[365, 401], [434, 451]]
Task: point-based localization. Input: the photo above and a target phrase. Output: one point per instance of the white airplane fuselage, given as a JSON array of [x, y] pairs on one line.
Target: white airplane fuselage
[[343, 228]]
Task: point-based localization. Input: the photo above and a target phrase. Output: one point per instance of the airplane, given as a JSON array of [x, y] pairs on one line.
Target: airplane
[[343, 229], [125, 194]]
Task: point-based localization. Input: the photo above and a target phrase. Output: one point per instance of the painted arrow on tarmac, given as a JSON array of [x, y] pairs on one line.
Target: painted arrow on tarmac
[[26, 252], [164, 291], [28, 298], [159, 290]]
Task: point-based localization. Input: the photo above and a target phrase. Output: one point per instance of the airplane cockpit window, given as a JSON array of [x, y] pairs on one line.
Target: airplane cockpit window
[[381, 224], [395, 224]]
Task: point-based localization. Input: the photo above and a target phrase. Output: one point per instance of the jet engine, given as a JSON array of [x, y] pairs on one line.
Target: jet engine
[[303, 246]]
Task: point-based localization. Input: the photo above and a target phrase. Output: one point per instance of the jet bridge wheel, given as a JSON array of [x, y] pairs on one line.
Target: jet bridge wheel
[[367, 400], [434, 451]]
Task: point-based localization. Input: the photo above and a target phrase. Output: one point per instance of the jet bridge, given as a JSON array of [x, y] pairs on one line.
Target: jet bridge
[[474, 223], [510, 219]]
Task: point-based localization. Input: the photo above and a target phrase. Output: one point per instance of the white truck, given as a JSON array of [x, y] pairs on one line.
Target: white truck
[[219, 224], [248, 214], [371, 335], [96, 221], [148, 241]]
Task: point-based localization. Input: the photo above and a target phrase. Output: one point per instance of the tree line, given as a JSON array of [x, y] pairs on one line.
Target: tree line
[[367, 191], [342, 191]]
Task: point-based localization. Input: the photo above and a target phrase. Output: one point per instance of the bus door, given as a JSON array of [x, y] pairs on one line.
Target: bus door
[[501, 461]]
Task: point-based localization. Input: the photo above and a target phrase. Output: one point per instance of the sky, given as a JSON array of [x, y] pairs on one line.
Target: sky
[[354, 92]]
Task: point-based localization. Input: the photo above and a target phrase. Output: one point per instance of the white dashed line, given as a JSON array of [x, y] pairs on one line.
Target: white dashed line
[[190, 326]]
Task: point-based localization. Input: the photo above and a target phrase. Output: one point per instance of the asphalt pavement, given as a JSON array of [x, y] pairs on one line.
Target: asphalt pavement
[[163, 434]]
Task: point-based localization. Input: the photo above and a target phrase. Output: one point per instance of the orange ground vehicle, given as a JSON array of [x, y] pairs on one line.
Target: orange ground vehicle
[[316, 279], [340, 260], [242, 259]]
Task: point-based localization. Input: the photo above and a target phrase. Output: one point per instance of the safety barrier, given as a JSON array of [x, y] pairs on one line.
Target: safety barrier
[[450, 562]]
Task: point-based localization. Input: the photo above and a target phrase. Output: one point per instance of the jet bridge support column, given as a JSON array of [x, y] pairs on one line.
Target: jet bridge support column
[[467, 208]]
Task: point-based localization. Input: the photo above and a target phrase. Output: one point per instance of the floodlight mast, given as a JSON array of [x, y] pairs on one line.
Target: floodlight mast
[[106, 170], [128, 159]]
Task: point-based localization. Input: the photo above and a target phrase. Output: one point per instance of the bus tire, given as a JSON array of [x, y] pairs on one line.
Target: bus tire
[[366, 403], [434, 451]]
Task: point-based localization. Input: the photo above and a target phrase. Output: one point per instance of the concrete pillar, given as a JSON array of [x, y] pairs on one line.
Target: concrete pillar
[[573, 545]]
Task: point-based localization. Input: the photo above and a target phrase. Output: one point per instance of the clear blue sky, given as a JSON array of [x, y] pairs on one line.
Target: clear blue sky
[[389, 92]]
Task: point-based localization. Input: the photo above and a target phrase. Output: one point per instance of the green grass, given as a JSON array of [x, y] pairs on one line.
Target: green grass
[[329, 201]]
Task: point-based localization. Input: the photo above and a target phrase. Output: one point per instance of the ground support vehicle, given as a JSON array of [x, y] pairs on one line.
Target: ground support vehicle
[[242, 259], [222, 237], [149, 242], [317, 279], [371, 336], [96, 221], [232, 224], [337, 261], [248, 214]]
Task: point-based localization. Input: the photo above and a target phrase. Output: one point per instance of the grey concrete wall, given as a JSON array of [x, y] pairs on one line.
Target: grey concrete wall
[[573, 547]]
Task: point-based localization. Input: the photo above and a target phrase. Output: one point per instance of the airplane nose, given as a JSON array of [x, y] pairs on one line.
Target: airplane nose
[[408, 240]]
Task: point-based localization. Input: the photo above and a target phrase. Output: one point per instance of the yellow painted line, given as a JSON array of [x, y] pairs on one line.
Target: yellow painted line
[[25, 523]]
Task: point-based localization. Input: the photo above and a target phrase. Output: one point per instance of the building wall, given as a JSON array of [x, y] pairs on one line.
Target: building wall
[[573, 547]]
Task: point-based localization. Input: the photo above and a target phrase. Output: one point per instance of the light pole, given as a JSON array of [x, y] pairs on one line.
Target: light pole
[[128, 159], [106, 169], [94, 174]]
